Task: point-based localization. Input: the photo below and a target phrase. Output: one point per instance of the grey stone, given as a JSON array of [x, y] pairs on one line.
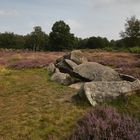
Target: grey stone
[[77, 85], [78, 57], [97, 92], [51, 68], [66, 56], [57, 70], [70, 63], [62, 78], [58, 60], [63, 66], [127, 77], [96, 72]]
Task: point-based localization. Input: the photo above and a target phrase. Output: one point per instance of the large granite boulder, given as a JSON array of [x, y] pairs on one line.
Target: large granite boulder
[[62, 78], [66, 65], [71, 64], [78, 57], [100, 91], [66, 56], [96, 72], [95, 82], [63, 66]]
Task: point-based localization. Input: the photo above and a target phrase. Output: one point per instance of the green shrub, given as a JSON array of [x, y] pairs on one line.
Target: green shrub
[[135, 49]]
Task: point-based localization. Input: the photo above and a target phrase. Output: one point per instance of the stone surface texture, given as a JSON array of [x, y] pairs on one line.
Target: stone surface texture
[[95, 82]]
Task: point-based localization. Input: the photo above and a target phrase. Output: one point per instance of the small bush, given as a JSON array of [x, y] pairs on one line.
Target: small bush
[[109, 49], [134, 50], [105, 123]]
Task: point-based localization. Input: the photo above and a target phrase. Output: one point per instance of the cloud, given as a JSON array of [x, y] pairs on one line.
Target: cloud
[[9, 13], [85, 17], [103, 3], [73, 24]]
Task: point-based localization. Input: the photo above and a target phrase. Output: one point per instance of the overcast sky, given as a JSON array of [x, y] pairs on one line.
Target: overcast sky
[[86, 18]]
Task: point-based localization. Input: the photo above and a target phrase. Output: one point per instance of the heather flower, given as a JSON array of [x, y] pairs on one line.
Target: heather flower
[[105, 123]]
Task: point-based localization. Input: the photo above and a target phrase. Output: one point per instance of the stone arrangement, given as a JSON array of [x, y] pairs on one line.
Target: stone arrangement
[[95, 82]]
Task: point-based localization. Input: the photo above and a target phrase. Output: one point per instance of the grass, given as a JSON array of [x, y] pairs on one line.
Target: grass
[[129, 105], [32, 107]]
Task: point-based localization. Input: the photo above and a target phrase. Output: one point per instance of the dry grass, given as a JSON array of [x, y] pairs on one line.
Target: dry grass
[[126, 63], [34, 108], [11, 57], [123, 62]]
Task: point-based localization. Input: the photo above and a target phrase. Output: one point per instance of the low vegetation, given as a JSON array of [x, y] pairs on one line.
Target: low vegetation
[[32, 107], [106, 123]]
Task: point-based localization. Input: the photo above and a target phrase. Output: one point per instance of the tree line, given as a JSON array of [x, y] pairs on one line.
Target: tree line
[[60, 39]]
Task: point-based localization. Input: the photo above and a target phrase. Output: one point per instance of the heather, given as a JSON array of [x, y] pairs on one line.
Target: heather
[[25, 64], [33, 107], [27, 59], [123, 62], [106, 123]]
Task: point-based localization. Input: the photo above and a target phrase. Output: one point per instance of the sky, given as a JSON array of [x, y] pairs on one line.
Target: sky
[[86, 18]]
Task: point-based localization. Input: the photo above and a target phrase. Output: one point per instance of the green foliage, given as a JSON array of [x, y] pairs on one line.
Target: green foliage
[[135, 50], [92, 43], [132, 28], [37, 40], [60, 38], [129, 105], [11, 41], [97, 42], [131, 35], [7, 39]]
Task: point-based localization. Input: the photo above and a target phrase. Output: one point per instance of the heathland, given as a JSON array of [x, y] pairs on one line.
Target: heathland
[[35, 108]]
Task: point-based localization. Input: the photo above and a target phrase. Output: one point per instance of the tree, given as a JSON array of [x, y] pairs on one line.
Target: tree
[[12, 41], [60, 38], [131, 35], [97, 42], [7, 40], [37, 40]]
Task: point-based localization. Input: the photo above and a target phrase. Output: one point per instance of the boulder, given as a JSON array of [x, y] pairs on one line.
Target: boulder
[[66, 56], [58, 60], [51, 68], [100, 91], [102, 82], [71, 64], [78, 57], [62, 78], [57, 70], [63, 66], [96, 72], [77, 85], [127, 77]]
